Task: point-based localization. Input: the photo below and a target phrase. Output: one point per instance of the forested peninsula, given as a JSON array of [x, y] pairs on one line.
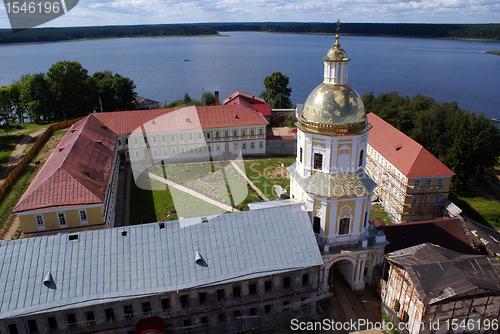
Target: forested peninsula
[[489, 32]]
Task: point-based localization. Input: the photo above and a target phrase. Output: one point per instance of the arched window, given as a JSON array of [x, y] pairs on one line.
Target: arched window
[[361, 158], [317, 225], [344, 226]]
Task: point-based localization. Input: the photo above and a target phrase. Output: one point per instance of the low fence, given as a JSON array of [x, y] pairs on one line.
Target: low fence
[[24, 160]]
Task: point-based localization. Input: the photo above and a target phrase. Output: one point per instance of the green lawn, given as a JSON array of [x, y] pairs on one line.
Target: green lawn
[[376, 212], [478, 208]]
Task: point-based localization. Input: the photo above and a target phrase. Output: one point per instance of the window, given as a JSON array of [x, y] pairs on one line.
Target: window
[[222, 317], [190, 136], [200, 149], [286, 282], [204, 320], [261, 144], [52, 322], [425, 200], [155, 153], [191, 150], [127, 155], [165, 304], [163, 138], [154, 139], [226, 133], [366, 220], [417, 183], [414, 201], [137, 154], [199, 135], [136, 141], [184, 300], [164, 152], [316, 225], [217, 148], [39, 220], [217, 134], [301, 153], [125, 140], [428, 182], [83, 216], [173, 151], [119, 141], [252, 132], [344, 226], [220, 295], [318, 161], [253, 311], [252, 288], [146, 308], [235, 133], [236, 291], [261, 131], [90, 318], [172, 138], [235, 146], [440, 182], [186, 322], [32, 326], [208, 135], [243, 146], [437, 199], [209, 148], [181, 137], [243, 132], [183, 150], [267, 308], [268, 285], [360, 158], [252, 145], [110, 315], [12, 329], [305, 280], [128, 311], [62, 218], [237, 314], [202, 297]]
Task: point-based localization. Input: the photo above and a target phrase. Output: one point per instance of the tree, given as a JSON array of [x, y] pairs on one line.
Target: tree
[[114, 91], [208, 98], [5, 107], [73, 89], [187, 99], [277, 93], [37, 97]]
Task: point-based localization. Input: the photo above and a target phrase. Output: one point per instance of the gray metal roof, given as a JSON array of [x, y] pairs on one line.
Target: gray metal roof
[[106, 265], [272, 204], [451, 207], [439, 273]]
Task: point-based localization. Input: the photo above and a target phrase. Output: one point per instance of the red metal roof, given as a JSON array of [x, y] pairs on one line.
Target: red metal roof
[[77, 172], [252, 99], [264, 109], [408, 156]]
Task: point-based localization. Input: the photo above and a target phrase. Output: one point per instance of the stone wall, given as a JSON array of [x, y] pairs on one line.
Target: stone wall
[[282, 147]]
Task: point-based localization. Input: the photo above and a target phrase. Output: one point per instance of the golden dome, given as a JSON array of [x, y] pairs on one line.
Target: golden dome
[[333, 109], [336, 53]]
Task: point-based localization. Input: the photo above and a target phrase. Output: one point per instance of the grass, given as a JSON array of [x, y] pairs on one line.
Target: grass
[[377, 212], [494, 52], [9, 200], [478, 208]]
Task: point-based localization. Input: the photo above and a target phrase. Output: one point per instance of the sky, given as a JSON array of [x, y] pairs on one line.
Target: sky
[[129, 12]]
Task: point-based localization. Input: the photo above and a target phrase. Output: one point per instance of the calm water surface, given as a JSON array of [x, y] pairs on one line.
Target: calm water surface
[[446, 70]]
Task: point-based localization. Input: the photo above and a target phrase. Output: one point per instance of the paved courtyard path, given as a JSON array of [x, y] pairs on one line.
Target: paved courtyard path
[[191, 192]]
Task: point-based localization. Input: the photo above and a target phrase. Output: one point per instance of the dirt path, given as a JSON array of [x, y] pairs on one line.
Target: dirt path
[[17, 154]]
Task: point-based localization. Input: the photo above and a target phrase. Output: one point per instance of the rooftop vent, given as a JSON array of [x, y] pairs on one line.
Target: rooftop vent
[[124, 233], [397, 147], [236, 116], [61, 149], [204, 220], [104, 127], [153, 122], [48, 281], [162, 225], [188, 120], [199, 259], [73, 237]]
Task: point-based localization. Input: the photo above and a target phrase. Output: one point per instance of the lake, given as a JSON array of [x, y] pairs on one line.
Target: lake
[[447, 70]]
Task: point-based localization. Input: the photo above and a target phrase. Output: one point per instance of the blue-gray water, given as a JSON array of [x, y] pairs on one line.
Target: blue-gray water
[[447, 70]]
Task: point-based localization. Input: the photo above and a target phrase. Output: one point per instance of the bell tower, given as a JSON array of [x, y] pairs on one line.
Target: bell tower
[[329, 174]]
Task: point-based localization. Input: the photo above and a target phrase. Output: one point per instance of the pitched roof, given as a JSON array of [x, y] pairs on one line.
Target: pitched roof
[[447, 233], [408, 156], [174, 119], [248, 97], [78, 170], [438, 273], [150, 259]]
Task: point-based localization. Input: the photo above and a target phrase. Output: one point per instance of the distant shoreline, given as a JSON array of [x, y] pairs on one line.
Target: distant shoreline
[[476, 32], [493, 52]]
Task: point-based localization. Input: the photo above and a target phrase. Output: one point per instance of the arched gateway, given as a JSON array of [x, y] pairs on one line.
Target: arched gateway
[[329, 174]]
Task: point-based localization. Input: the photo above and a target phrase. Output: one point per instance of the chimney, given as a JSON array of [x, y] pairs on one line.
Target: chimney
[[217, 98]]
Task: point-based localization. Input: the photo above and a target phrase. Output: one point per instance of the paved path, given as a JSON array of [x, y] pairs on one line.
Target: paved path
[[191, 192], [17, 154], [249, 182]]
